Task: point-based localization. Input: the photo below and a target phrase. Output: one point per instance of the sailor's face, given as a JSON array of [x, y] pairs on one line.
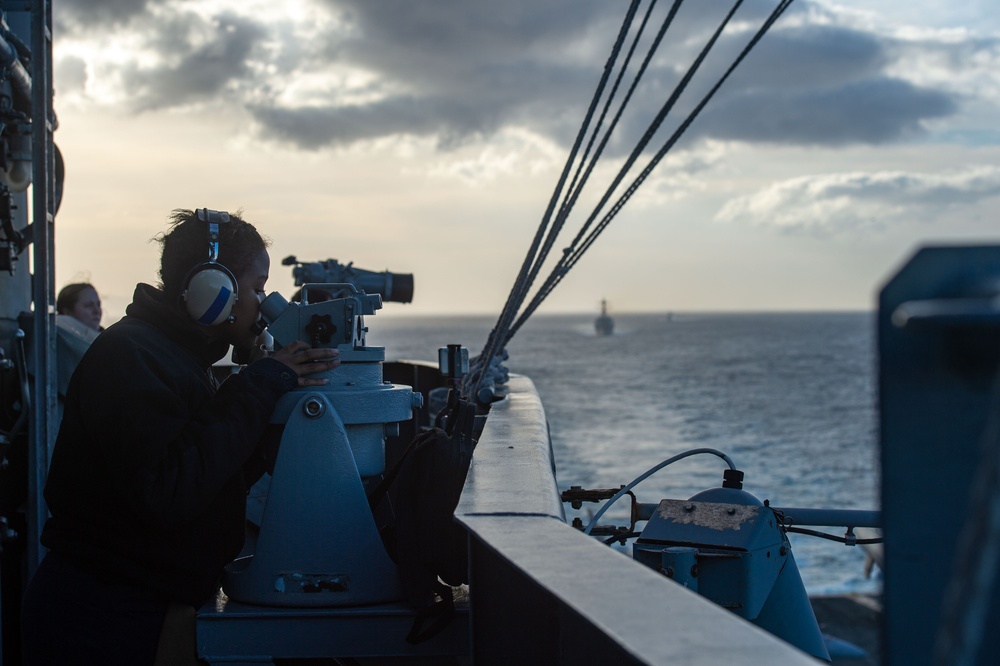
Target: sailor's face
[[87, 308], [241, 333]]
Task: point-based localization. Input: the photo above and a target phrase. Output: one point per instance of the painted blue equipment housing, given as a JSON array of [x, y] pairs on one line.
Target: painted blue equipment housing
[[318, 544], [724, 544]]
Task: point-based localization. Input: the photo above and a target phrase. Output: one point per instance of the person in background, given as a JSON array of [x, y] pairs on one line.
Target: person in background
[[78, 323], [148, 481], [80, 301]]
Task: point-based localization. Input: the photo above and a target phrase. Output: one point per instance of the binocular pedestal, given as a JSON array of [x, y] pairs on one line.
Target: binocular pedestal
[[318, 543]]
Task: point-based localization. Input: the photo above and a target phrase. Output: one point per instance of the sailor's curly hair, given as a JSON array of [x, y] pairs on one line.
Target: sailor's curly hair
[[185, 246]]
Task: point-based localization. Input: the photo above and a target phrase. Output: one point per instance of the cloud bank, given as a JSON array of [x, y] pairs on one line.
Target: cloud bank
[[831, 204], [331, 73]]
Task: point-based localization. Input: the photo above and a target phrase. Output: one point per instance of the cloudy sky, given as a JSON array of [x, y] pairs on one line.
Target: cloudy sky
[[427, 138]]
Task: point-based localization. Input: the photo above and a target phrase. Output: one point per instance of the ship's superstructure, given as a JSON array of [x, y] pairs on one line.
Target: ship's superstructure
[[604, 324]]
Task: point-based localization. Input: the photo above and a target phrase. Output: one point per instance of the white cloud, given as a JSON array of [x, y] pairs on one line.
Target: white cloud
[[512, 152], [676, 177], [836, 203], [950, 60]]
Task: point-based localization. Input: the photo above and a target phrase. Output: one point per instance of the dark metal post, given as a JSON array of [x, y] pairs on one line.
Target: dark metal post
[[938, 392], [43, 403]]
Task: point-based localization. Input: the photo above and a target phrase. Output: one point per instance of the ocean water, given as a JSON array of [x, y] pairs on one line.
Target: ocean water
[[789, 397]]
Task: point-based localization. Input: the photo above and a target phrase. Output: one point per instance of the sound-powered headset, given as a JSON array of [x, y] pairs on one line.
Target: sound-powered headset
[[210, 289]]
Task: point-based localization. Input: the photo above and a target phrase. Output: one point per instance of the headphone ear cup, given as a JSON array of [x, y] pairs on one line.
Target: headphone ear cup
[[210, 295]]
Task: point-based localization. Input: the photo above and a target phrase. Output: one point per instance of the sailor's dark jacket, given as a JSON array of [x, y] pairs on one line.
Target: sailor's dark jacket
[[151, 467]]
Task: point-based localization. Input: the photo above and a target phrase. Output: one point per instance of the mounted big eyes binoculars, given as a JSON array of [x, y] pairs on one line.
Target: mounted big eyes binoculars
[[317, 543], [393, 287]]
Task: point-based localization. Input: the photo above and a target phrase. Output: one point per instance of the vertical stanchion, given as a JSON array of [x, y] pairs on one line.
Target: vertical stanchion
[[43, 404]]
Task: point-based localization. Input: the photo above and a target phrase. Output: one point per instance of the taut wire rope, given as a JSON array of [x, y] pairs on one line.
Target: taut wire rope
[[554, 219]]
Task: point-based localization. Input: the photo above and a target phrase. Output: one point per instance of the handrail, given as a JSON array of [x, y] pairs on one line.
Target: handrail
[[543, 592]]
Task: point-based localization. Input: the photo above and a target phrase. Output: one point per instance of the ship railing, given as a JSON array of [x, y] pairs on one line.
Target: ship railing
[[543, 592]]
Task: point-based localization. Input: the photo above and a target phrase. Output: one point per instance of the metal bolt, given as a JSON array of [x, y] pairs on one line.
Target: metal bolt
[[731, 511], [689, 507], [314, 408]]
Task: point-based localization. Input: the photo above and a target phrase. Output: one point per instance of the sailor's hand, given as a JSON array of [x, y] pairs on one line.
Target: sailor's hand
[[304, 361]]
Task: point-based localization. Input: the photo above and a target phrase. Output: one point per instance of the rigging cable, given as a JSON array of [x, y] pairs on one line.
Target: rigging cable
[[680, 130], [520, 286], [571, 200], [562, 267], [581, 176], [549, 227], [574, 190], [572, 254]]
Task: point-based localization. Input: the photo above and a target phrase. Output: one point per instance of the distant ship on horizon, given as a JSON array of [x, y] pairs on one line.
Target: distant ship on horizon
[[604, 324]]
